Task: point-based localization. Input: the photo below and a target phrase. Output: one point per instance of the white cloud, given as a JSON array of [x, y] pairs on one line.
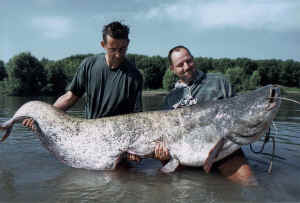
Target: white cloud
[[53, 27], [276, 15]]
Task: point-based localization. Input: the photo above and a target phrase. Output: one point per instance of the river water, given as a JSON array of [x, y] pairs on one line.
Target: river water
[[29, 173]]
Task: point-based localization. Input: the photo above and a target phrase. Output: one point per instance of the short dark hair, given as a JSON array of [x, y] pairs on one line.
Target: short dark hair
[[116, 30], [177, 48]]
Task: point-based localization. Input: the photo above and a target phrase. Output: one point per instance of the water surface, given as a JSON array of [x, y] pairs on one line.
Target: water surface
[[29, 173]]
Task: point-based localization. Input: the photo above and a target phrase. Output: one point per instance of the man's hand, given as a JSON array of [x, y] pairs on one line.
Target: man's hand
[[133, 157], [161, 152], [28, 122]]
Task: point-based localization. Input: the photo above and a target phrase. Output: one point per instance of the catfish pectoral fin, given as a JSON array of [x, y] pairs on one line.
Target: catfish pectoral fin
[[170, 166], [213, 154]]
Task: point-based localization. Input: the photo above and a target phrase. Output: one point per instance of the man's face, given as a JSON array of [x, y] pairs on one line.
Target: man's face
[[183, 65], [115, 50]]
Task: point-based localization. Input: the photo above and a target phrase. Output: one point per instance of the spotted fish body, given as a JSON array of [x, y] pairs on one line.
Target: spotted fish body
[[194, 135]]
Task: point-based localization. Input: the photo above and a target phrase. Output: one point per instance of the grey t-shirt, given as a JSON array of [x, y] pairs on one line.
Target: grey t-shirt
[[108, 91], [205, 87]]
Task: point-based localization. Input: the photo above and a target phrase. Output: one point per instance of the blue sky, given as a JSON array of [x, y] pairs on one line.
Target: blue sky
[[55, 29]]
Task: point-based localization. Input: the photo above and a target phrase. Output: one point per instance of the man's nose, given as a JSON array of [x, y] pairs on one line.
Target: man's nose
[[118, 54], [186, 66]]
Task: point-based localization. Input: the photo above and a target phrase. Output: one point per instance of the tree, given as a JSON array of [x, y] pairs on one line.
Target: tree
[[26, 75], [254, 81], [204, 64], [269, 71], [289, 73], [3, 73], [248, 65], [72, 63], [153, 71], [45, 62], [235, 76], [222, 65], [169, 79], [56, 79]]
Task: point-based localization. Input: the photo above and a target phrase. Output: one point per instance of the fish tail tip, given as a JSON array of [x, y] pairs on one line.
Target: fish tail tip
[[5, 136]]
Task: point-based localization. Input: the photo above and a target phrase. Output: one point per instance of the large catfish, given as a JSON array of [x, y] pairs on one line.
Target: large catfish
[[195, 135]]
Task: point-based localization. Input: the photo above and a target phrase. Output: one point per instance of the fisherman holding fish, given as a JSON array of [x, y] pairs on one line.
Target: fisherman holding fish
[[193, 87], [112, 84]]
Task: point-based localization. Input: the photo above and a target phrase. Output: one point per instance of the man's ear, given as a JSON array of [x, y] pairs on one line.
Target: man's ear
[[102, 43]]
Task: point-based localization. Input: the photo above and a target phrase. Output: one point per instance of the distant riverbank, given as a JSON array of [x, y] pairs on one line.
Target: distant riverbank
[[291, 90], [155, 92], [163, 92]]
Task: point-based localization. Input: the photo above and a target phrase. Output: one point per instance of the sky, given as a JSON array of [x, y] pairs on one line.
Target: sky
[[56, 29]]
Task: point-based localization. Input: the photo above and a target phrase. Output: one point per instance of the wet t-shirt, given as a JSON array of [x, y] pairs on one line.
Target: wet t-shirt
[[108, 91]]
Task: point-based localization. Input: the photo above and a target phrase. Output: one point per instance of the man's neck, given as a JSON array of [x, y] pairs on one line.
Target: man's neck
[[185, 83], [110, 64]]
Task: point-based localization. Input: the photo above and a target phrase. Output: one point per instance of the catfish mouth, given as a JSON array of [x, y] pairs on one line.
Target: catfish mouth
[[273, 98]]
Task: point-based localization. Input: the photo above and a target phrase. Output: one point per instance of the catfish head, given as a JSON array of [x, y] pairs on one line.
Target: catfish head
[[251, 114]]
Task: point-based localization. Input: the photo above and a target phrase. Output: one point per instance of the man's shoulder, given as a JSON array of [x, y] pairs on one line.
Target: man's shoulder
[[88, 60], [216, 76], [93, 58], [222, 81], [88, 63]]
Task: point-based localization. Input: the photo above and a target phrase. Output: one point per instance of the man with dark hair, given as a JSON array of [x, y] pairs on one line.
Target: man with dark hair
[[194, 86], [112, 84]]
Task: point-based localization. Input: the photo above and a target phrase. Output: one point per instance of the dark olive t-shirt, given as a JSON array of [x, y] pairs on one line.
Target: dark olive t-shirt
[[108, 91]]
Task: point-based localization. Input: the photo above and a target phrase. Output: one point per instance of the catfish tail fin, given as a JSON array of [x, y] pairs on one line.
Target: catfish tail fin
[[8, 125]]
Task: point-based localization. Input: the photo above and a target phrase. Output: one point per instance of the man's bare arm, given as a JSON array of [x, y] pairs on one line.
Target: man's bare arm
[[236, 168], [65, 101]]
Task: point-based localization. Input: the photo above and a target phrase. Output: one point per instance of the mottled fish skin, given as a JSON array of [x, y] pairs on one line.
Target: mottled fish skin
[[190, 133]]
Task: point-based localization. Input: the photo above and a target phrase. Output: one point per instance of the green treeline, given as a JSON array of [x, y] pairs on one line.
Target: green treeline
[[25, 75]]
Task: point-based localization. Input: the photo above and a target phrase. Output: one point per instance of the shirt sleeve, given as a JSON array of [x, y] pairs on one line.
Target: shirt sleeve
[[77, 86]]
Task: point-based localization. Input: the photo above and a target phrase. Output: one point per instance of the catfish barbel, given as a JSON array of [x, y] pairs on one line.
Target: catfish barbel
[[196, 135]]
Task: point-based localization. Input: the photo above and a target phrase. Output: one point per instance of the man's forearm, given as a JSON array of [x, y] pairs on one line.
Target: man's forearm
[[65, 101]]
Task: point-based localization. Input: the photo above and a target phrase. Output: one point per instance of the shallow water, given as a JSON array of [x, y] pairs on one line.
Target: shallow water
[[28, 173]]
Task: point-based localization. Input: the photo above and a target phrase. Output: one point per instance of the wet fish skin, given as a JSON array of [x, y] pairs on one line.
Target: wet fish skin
[[191, 133]]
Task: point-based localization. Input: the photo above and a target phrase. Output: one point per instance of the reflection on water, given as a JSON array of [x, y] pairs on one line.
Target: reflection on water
[[28, 173]]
